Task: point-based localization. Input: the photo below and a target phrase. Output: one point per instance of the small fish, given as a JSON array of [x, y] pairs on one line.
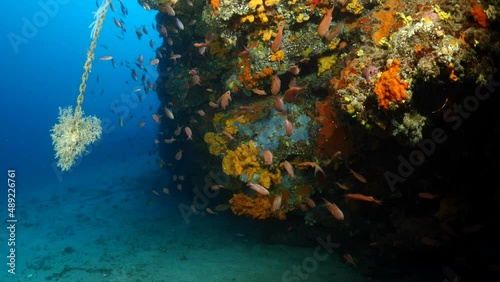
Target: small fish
[[222, 207], [288, 127], [167, 8], [289, 169], [168, 113], [313, 164], [276, 203], [201, 113], [362, 197], [275, 84], [154, 62], [310, 202], [170, 140], [277, 40], [279, 105], [141, 124], [106, 58], [117, 23], [145, 6], [177, 132], [157, 118], [334, 210], [152, 43], [216, 187], [294, 70], [178, 155], [259, 92], [358, 176], [268, 157], [165, 190], [258, 188], [341, 186], [120, 121], [348, 258], [137, 89], [429, 196], [189, 133], [180, 25], [224, 99], [174, 57], [291, 93], [210, 211], [138, 33], [324, 25]]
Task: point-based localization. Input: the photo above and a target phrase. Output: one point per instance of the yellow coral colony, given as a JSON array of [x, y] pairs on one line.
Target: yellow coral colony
[[74, 132]]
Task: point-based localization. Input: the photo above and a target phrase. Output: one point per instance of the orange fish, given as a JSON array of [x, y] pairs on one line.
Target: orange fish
[[288, 127], [259, 91], [289, 169], [177, 132], [275, 84], [310, 202], [276, 203], [362, 197], [313, 164], [334, 210], [429, 196], [258, 188], [141, 124], [189, 133], [341, 186], [278, 104], [348, 258], [358, 176], [224, 99], [165, 190], [324, 25], [268, 157], [277, 40], [157, 118]]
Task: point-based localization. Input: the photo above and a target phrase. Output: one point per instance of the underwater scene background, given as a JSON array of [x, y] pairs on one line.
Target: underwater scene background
[[250, 140]]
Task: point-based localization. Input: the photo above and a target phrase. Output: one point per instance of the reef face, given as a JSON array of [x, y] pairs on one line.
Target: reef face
[[344, 100]]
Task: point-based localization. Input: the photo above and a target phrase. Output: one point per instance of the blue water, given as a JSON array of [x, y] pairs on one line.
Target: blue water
[[101, 221]]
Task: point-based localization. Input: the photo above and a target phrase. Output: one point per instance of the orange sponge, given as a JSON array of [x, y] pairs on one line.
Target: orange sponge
[[389, 86]]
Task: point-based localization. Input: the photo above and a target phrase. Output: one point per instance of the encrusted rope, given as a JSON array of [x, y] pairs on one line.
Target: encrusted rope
[[90, 57]]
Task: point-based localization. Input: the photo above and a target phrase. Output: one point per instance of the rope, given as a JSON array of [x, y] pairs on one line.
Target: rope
[[88, 63]]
